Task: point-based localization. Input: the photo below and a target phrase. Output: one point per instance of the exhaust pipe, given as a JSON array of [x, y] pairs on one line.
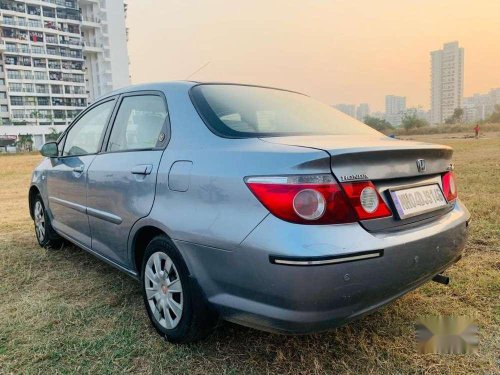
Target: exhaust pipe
[[441, 279]]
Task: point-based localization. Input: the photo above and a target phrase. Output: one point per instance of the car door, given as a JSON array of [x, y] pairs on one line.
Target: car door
[[67, 177], [122, 178]]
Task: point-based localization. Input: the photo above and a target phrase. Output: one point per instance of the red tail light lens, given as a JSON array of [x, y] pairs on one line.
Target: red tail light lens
[[315, 199], [309, 204], [366, 200], [450, 186]]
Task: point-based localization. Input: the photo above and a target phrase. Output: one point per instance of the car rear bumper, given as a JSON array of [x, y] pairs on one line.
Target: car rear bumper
[[246, 287]]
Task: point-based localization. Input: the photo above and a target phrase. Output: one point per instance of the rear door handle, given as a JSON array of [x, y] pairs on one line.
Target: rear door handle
[[143, 169], [78, 169]]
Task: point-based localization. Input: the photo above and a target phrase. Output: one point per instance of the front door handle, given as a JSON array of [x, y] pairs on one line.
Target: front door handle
[[143, 169], [78, 169]]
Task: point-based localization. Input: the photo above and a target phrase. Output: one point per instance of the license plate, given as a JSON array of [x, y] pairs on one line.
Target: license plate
[[418, 200]]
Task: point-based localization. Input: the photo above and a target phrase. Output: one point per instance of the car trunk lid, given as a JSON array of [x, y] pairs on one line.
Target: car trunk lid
[[389, 163], [377, 158]]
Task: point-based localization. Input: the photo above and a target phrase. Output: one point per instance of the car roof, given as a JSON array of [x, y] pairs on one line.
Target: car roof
[[176, 85], [154, 86]]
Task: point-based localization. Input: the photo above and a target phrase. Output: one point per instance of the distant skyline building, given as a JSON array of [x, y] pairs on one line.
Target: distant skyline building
[[348, 109], [447, 81], [56, 56], [362, 111], [356, 111], [395, 106], [479, 107]]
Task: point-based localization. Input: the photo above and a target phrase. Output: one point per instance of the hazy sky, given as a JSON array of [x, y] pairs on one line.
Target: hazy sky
[[338, 51]]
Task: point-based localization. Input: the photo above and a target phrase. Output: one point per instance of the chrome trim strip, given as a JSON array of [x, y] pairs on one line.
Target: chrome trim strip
[[74, 206], [297, 261], [267, 180], [87, 210], [104, 215], [314, 179]]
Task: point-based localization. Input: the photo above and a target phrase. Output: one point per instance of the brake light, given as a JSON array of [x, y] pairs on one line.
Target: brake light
[[450, 186], [309, 204], [304, 199], [366, 200]]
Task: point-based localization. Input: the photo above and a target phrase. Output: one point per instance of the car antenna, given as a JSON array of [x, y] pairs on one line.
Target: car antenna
[[197, 70]]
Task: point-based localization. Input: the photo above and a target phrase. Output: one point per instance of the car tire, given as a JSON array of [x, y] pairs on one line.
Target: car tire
[[45, 234], [174, 302]]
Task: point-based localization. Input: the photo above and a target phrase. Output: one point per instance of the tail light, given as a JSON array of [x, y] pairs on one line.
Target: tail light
[[317, 199], [304, 199], [366, 200], [450, 186]]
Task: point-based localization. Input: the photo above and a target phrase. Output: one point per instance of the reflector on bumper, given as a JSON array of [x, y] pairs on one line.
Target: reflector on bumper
[[319, 261]]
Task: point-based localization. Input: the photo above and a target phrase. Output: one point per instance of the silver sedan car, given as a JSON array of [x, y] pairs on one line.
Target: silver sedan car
[[256, 205]]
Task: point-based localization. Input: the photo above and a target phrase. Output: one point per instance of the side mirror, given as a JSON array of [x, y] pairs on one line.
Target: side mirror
[[50, 150]]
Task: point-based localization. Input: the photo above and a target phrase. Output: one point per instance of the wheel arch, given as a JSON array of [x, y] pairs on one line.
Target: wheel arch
[[141, 237], [33, 192]]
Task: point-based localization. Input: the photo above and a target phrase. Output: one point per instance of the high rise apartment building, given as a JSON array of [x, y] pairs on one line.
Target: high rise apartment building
[[55, 58], [447, 81], [103, 26]]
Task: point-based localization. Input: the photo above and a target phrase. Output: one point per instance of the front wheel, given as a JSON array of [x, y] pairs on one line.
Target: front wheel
[[174, 303], [45, 234]]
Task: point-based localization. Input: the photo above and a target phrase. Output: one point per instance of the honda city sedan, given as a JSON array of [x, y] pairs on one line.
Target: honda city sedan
[[256, 205]]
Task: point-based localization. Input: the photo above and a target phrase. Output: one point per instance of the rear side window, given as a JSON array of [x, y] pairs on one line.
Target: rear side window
[[85, 135], [138, 124], [249, 111]]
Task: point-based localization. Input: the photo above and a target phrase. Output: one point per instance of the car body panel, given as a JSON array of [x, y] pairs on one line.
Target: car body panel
[[38, 179], [303, 299], [67, 196], [206, 212], [117, 198]]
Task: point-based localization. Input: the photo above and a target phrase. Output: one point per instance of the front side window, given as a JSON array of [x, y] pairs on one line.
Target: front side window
[[83, 137], [250, 112], [138, 124]]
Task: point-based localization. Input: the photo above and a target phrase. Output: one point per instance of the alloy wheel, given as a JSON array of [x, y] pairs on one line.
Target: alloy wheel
[[163, 290], [39, 221]]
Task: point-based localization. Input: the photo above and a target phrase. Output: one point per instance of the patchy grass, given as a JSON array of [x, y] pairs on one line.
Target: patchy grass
[[445, 129], [63, 311]]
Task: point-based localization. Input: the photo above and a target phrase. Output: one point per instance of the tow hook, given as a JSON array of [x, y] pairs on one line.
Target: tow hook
[[441, 279]]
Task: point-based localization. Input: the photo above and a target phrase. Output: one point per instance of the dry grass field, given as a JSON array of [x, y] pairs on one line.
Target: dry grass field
[[445, 130], [63, 311]]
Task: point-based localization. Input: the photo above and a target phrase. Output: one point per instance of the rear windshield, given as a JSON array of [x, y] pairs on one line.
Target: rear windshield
[[249, 111]]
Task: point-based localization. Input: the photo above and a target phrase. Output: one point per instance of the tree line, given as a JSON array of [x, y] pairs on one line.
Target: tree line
[[411, 120]]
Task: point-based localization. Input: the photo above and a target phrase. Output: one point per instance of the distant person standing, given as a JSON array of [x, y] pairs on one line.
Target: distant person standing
[[476, 130]]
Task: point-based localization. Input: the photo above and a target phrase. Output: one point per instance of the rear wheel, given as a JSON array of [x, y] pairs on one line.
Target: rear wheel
[[45, 234], [174, 303]]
